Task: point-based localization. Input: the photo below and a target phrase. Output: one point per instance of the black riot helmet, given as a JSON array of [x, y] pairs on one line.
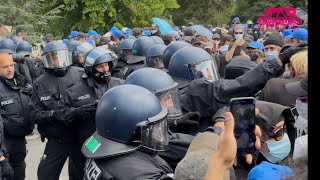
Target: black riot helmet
[[24, 48], [140, 48], [7, 46], [237, 67], [154, 56], [191, 63], [79, 52], [162, 85], [72, 46], [125, 49], [171, 49], [122, 129], [57, 57], [98, 56], [157, 39]]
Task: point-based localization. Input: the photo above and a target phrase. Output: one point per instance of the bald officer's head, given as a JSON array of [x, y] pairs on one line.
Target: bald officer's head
[[6, 66]]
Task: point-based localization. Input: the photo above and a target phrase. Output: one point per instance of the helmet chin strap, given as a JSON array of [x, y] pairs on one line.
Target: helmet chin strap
[[102, 78]]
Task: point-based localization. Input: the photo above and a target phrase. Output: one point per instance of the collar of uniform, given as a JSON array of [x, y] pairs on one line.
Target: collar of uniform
[[91, 81]]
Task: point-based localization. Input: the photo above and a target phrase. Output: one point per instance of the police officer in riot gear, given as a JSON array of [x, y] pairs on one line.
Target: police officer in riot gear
[[138, 57], [166, 90], [14, 98], [21, 66], [82, 97], [127, 139], [124, 54], [24, 50], [154, 56], [202, 91], [46, 104], [78, 51], [171, 49]]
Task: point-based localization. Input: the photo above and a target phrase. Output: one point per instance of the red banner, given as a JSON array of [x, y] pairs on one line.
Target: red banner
[[278, 18]]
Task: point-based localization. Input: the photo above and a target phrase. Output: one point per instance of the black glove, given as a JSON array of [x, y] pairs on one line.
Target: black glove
[[84, 111], [289, 52], [187, 123], [6, 169]]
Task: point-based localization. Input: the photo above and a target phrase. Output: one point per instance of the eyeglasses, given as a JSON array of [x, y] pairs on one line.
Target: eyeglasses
[[216, 39], [238, 32], [278, 135]]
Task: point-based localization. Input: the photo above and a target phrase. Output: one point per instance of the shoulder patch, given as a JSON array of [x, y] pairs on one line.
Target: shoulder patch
[[92, 171]]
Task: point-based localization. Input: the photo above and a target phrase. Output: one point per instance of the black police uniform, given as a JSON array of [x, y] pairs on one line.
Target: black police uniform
[[207, 97], [138, 165], [49, 94], [14, 109], [127, 139]]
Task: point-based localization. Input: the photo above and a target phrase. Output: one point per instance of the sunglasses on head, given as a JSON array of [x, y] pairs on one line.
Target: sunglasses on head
[[238, 32], [278, 135]]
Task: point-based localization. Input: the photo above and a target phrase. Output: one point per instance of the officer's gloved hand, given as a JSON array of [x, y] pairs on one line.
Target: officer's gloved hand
[[84, 111], [289, 52], [28, 89], [188, 122], [6, 169]]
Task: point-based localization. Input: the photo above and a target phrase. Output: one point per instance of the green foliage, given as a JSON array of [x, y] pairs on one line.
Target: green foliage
[[101, 15]]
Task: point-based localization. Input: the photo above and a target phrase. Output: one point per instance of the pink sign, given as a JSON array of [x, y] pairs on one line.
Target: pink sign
[[278, 18]]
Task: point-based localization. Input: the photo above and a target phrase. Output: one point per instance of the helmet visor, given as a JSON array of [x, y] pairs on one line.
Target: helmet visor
[[205, 69], [57, 59], [154, 133], [83, 48], [170, 100], [126, 54], [156, 62]]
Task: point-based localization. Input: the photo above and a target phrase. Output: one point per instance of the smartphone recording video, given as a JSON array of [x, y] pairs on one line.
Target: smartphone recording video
[[243, 111]]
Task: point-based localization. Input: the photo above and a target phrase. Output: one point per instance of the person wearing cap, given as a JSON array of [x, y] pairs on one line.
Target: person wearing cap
[[15, 124], [73, 36], [81, 36], [255, 51], [216, 43], [297, 36], [238, 47], [272, 45], [274, 90], [285, 33], [266, 171]]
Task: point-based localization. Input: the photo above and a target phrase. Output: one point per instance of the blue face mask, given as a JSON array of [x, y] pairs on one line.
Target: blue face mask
[[238, 36], [278, 150], [270, 55]]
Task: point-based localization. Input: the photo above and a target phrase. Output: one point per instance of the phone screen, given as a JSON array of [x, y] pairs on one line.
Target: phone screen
[[243, 111]]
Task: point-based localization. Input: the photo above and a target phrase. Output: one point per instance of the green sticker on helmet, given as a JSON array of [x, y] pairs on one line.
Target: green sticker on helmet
[[134, 51], [93, 144]]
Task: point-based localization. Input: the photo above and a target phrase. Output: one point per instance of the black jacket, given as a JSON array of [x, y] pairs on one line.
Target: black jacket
[[137, 165], [207, 97], [123, 70], [49, 93], [87, 92], [14, 109]]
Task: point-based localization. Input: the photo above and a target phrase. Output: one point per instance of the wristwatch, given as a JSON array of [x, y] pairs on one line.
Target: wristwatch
[[214, 129]]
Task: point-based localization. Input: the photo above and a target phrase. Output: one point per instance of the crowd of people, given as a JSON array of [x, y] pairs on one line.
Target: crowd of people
[[139, 104]]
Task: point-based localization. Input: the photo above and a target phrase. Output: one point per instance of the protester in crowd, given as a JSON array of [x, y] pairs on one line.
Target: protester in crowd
[[81, 36], [226, 41], [73, 36], [274, 90], [285, 33], [255, 51], [238, 47], [297, 36]]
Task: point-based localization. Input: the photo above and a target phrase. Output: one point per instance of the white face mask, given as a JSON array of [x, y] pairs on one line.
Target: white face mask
[[238, 36], [301, 123], [278, 150], [270, 55]]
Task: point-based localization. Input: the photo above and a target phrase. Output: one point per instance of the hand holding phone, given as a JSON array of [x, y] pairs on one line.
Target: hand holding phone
[[243, 110]]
